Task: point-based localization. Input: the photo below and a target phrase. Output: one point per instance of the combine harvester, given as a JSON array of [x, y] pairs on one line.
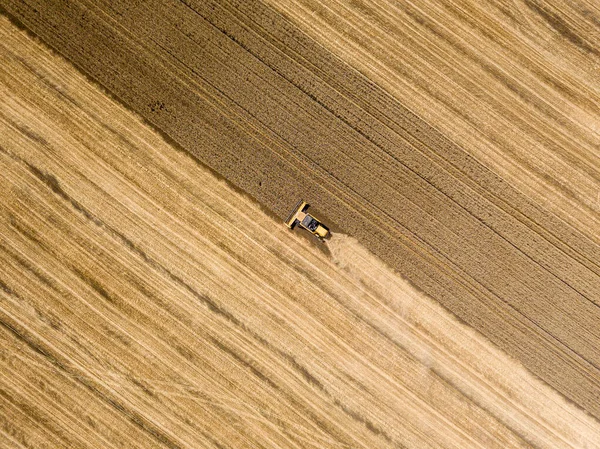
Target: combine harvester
[[300, 217]]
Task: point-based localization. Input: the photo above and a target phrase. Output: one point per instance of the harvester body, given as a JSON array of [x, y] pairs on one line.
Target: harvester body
[[300, 217]]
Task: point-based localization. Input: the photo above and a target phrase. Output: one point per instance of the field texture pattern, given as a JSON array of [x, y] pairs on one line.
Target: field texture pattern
[[145, 303], [458, 141]]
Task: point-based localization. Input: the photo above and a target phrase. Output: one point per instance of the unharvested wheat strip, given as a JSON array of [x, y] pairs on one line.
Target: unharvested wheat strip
[[366, 44]]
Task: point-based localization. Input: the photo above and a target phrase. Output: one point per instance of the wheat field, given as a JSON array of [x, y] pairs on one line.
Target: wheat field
[[458, 141], [144, 302]]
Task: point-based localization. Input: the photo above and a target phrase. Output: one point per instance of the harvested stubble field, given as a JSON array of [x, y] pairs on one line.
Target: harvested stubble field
[[147, 303]]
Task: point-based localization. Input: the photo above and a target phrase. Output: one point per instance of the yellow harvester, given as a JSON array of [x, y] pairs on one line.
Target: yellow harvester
[[300, 217]]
